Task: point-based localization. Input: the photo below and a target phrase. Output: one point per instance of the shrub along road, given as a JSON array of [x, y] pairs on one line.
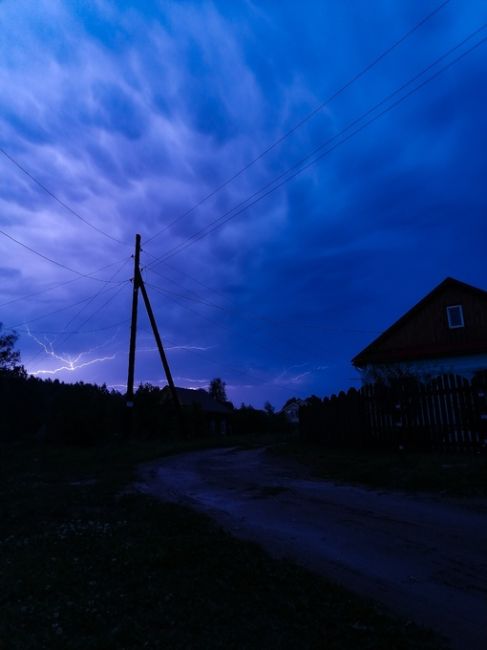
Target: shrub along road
[[423, 556]]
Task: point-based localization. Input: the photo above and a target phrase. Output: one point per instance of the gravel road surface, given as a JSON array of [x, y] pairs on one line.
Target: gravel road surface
[[422, 556]]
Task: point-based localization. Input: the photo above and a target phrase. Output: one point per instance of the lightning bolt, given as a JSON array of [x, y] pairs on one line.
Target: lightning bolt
[[71, 363], [117, 387], [186, 348]]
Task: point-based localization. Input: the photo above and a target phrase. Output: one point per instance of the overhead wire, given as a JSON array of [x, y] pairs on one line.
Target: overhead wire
[[179, 272], [247, 315], [69, 334], [357, 120], [394, 104], [451, 63], [95, 296], [196, 280], [56, 285], [77, 331], [58, 200], [55, 311], [104, 305], [167, 255], [307, 117], [87, 302], [272, 146], [292, 344], [296, 343], [50, 259], [207, 359], [261, 193], [284, 136]]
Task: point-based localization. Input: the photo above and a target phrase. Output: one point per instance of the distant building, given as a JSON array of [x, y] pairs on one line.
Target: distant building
[[213, 417], [291, 409], [445, 332]]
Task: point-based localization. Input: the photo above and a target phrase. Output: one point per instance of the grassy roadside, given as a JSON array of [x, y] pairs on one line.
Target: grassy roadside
[[456, 475], [84, 565]]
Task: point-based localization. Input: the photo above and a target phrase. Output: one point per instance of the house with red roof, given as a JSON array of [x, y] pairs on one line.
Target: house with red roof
[[445, 332]]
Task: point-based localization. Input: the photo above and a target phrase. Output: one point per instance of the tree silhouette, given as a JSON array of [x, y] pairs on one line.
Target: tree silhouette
[[217, 390], [9, 357], [269, 409]]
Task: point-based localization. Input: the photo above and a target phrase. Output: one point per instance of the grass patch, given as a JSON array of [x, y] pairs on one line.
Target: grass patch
[[462, 475], [84, 565]]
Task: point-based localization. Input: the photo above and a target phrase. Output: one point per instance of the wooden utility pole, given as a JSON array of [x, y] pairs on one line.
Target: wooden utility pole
[[138, 283], [133, 336]]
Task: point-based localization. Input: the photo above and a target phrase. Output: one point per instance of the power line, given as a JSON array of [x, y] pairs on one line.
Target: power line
[[52, 313], [179, 272], [85, 303], [307, 117], [247, 315], [239, 371], [267, 150], [295, 343], [103, 329], [95, 296], [197, 298], [191, 277], [67, 335], [49, 259], [58, 200], [104, 305], [224, 218], [78, 331], [57, 285], [194, 298], [88, 301], [201, 233], [292, 344]]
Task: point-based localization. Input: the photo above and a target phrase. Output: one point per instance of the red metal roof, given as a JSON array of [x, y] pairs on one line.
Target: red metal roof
[[376, 353]]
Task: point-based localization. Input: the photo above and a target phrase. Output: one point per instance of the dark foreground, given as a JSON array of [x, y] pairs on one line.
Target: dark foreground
[[425, 557], [85, 565]]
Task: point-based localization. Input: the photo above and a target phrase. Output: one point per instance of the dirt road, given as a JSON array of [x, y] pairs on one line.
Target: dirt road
[[423, 557]]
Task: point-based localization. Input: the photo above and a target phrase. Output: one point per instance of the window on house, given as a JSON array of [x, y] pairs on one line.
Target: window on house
[[455, 316]]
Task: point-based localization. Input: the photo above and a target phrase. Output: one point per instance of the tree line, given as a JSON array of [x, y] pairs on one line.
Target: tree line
[[85, 413]]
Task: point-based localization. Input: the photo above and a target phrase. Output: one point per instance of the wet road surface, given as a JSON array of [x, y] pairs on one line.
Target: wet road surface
[[423, 557]]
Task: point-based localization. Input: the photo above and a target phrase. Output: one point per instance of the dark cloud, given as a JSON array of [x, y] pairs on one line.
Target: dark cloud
[[9, 273], [117, 112], [133, 112]]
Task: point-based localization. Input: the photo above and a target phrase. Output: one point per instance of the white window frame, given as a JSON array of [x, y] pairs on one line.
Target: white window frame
[[455, 327]]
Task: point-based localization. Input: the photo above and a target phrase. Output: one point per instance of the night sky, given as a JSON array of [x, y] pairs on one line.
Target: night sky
[[134, 114]]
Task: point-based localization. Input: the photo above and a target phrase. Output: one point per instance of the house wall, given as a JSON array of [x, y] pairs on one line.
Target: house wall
[[426, 369]]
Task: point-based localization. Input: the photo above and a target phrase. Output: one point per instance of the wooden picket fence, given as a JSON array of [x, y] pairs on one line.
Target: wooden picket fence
[[447, 413]]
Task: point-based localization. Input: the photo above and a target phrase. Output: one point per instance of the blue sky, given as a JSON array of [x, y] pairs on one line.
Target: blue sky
[[131, 113]]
